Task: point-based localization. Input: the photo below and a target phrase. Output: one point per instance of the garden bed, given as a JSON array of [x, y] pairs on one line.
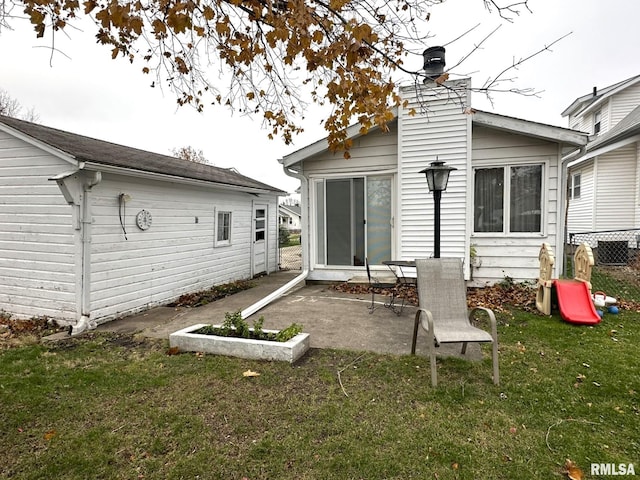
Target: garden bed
[[189, 340]]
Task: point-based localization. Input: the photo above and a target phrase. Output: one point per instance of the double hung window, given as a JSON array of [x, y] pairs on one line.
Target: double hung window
[[508, 199], [223, 228]]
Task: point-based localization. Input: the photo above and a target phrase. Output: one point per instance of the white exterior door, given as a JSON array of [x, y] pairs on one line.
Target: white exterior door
[[259, 234]]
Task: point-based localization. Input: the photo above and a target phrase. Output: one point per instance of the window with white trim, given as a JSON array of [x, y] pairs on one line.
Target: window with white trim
[[574, 185], [597, 122], [508, 199], [223, 228]]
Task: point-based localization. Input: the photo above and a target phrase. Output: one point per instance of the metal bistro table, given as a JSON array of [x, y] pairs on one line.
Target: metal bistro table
[[406, 277]]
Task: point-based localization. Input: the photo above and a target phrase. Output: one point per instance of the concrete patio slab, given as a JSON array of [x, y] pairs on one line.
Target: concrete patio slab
[[333, 319]]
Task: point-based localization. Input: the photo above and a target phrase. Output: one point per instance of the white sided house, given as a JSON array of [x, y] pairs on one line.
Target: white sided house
[[604, 179], [504, 200], [91, 230], [290, 217]]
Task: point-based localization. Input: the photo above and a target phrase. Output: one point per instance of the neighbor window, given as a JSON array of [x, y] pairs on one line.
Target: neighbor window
[[574, 186], [597, 120], [508, 199], [223, 228]]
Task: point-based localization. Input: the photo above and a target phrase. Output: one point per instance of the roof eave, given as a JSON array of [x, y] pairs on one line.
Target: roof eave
[[534, 129], [178, 179]]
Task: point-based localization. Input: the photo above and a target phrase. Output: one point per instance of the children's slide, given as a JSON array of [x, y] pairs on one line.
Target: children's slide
[[575, 302]]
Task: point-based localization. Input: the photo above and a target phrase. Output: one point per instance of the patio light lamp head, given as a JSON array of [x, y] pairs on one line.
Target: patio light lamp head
[[437, 174]]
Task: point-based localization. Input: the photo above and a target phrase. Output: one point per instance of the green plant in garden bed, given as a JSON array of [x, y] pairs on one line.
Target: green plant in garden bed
[[235, 326]]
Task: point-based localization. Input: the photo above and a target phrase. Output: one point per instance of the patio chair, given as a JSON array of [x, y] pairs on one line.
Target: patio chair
[[376, 285], [442, 311]]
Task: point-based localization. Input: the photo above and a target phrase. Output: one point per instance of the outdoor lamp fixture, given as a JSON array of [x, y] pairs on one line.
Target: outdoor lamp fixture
[[437, 178]]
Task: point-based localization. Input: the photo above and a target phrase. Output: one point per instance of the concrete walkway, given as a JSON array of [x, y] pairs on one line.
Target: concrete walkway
[[333, 319]]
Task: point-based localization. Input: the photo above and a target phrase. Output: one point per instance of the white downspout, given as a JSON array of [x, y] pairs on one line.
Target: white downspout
[[304, 242], [85, 218], [561, 266]]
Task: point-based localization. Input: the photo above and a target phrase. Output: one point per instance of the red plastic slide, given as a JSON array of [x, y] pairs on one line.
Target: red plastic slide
[[575, 303]]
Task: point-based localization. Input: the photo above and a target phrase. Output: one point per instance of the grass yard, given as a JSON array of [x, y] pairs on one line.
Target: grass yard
[[104, 406]]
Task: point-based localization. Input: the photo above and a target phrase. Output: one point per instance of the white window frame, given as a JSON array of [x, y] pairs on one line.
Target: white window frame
[[222, 242], [506, 209], [575, 186], [597, 122]]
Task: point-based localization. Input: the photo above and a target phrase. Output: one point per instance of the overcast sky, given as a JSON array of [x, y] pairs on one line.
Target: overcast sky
[[86, 92]]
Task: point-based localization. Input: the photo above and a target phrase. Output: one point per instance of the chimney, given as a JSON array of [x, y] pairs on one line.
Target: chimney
[[433, 61]]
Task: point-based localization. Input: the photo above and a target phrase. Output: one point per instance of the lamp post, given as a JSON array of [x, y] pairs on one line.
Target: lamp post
[[437, 178]]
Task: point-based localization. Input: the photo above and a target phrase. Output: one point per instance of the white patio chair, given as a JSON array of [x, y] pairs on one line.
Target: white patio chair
[[442, 311]]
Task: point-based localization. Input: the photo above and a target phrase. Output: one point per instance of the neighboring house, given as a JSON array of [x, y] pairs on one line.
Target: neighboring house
[[91, 230], [604, 179], [505, 199], [290, 217]]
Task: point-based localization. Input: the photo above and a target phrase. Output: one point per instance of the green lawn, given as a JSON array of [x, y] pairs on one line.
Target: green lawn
[[107, 406]]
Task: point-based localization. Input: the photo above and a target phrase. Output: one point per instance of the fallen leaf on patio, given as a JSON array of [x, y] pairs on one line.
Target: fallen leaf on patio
[[173, 351], [250, 373], [49, 435], [572, 470]]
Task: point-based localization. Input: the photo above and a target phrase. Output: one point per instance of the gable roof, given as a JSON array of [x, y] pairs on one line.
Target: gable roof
[[487, 119], [100, 152], [590, 100], [294, 210]]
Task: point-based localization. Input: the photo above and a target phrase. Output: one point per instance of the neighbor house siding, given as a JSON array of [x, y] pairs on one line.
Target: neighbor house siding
[[580, 217], [441, 134], [616, 189], [177, 254], [584, 121], [623, 103], [37, 259], [515, 255]]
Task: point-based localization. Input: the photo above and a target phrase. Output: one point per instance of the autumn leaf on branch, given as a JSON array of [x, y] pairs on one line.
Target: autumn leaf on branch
[[347, 55]]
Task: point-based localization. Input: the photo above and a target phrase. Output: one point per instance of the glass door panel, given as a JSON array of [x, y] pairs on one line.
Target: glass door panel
[[378, 219]]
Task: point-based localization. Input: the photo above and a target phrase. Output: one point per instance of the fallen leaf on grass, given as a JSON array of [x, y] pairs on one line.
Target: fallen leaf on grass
[[173, 351], [572, 470], [49, 435], [250, 373]]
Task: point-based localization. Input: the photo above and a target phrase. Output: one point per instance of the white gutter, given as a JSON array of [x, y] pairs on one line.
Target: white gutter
[[564, 170], [173, 178], [304, 241]]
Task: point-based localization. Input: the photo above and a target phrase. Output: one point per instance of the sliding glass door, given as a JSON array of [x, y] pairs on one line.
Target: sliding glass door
[[353, 220]]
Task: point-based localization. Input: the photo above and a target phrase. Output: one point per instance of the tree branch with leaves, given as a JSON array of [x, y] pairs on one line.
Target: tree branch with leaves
[[268, 58]]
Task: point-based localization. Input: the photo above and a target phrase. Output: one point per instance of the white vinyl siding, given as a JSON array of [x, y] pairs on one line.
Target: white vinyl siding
[[37, 255], [376, 150], [584, 121], [616, 189], [515, 255], [176, 255], [580, 216], [442, 133], [623, 103]]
